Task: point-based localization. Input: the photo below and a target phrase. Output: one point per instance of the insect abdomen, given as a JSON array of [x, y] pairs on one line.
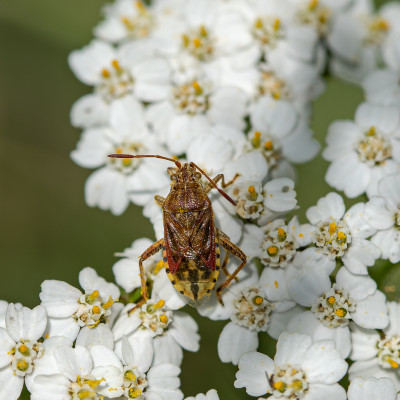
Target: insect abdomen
[[193, 279]]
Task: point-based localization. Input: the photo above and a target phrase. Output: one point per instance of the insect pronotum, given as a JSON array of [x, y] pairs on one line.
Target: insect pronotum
[[191, 242]]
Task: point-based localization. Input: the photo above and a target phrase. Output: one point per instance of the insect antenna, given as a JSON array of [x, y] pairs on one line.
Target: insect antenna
[[213, 183], [176, 162]]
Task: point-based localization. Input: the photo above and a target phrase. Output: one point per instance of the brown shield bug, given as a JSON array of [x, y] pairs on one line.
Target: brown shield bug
[[191, 243]]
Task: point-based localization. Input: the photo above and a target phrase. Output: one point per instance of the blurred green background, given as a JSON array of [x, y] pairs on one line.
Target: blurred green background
[[47, 231]]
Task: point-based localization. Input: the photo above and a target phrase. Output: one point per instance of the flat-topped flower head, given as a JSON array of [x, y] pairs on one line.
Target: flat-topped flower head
[[199, 42], [132, 69], [342, 234], [364, 151], [376, 354], [126, 19], [263, 202], [280, 133], [377, 29], [155, 317], [334, 307], [267, 30], [69, 309], [21, 346], [252, 309], [268, 145], [115, 81], [301, 369], [281, 241], [359, 37], [333, 237], [271, 85], [253, 304], [154, 321], [316, 14], [139, 22], [383, 213], [374, 148], [192, 98], [69, 374], [134, 375]]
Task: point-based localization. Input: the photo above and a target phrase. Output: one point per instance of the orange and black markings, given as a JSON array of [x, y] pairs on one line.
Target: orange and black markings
[[193, 279]]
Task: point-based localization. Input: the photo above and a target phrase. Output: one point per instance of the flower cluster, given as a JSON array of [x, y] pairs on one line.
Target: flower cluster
[[227, 85]]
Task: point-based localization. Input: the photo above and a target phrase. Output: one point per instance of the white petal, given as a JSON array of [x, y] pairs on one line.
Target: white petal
[[279, 321], [127, 118], [273, 281], [100, 335], [330, 206], [371, 313], [388, 243], [126, 272], [164, 376], [103, 356], [166, 350], [377, 214], [371, 389], [6, 345], [67, 327], [323, 364], [307, 324], [234, 341], [361, 254], [254, 372], [364, 343], [59, 298], [51, 387], [24, 323], [11, 384], [355, 219], [276, 117], [384, 118], [88, 62], [90, 110], [359, 287], [291, 348], [349, 174], [142, 352], [280, 195], [106, 189], [90, 281], [184, 330], [305, 286], [73, 362], [327, 392]]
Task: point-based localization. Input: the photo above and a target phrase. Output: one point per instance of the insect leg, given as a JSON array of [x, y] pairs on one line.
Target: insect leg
[[223, 184], [233, 249], [157, 246], [159, 200]]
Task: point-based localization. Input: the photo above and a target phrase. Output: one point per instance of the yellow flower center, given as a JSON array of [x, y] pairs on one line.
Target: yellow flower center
[[331, 300], [272, 250], [332, 228], [280, 386], [163, 319]]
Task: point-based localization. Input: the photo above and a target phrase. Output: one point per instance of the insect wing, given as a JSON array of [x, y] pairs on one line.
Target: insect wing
[[175, 241], [203, 239], [200, 240]]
